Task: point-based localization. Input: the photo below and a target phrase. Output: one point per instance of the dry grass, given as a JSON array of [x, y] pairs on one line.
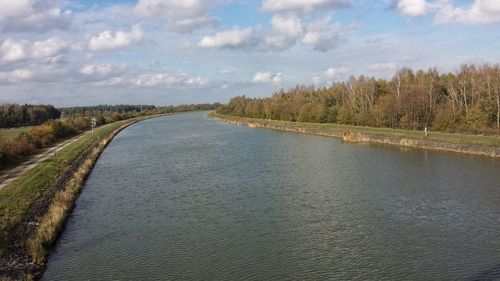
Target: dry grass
[[28, 277], [62, 203], [16, 198]]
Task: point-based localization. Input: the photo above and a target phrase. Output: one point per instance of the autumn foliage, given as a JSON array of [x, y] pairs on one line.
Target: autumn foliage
[[73, 121], [34, 138], [467, 101]]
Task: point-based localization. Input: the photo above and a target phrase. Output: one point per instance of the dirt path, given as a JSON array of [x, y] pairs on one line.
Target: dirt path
[[13, 174]]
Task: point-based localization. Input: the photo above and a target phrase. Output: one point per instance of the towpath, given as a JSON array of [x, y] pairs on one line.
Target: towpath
[[13, 174]]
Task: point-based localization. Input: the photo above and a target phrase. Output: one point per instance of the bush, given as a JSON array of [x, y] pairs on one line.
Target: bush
[[5, 149], [23, 148], [3, 155], [41, 136], [445, 120], [78, 123], [35, 138]]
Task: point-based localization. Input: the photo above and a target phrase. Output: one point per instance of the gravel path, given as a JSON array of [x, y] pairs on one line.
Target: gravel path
[[13, 174]]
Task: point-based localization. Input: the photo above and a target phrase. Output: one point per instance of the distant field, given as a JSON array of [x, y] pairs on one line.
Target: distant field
[[13, 132]]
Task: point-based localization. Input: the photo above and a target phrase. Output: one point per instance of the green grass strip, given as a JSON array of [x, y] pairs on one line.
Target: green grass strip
[[491, 141], [16, 198]]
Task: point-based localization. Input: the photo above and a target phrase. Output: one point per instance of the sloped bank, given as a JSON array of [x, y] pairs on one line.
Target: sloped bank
[[372, 135], [26, 253]]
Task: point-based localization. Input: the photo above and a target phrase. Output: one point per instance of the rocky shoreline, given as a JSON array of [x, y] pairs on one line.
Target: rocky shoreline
[[350, 136]]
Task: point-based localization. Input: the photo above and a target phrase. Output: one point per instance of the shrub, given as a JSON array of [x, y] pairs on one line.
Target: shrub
[[77, 123], [41, 136], [23, 148]]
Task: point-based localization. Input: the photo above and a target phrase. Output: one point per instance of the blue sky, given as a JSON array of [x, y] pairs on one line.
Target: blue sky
[[171, 52]]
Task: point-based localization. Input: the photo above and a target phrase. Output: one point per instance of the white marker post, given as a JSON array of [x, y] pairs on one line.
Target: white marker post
[[93, 123]]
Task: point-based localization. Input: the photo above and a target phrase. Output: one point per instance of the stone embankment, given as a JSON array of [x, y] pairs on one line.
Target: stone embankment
[[359, 137]]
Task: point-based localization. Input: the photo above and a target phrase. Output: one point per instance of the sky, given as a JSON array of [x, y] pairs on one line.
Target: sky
[[163, 52]]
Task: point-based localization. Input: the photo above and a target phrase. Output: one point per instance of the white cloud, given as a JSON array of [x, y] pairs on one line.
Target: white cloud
[[170, 8], [289, 26], [49, 48], [107, 40], [278, 78], [316, 80], [190, 24], [41, 71], [266, 77], [196, 81], [285, 29], [115, 81], [150, 80], [380, 67], [232, 38], [479, 12], [18, 50], [16, 75], [15, 8], [12, 50], [227, 71], [337, 73], [33, 15], [181, 16], [322, 36], [302, 6], [412, 8], [91, 69], [101, 71], [101, 74], [322, 40], [168, 79]]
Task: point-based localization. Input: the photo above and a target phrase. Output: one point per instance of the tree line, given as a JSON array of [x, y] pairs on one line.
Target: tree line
[[15, 115], [104, 109], [75, 120], [465, 101], [108, 113]]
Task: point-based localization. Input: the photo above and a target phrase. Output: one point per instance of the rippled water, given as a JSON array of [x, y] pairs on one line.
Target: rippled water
[[188, 198]]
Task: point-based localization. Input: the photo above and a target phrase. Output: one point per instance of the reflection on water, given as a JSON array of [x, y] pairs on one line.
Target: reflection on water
[[185, 197]]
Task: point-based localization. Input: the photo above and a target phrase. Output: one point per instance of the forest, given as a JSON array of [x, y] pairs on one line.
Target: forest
[[467, 101], [15, 115], [124, 111], [104, 109]]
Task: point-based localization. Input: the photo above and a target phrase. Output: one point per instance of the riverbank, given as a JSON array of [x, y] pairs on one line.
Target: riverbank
[[34, 208], [469, 144]]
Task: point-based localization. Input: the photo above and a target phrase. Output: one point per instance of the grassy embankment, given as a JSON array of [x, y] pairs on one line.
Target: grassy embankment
[[473, 144], [53, 220], [18, 197]]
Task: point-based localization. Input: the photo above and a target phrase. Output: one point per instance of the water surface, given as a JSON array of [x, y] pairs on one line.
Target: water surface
[[188, 198]]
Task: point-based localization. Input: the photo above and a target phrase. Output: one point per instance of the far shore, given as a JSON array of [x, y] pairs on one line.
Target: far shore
[[459, 143]]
